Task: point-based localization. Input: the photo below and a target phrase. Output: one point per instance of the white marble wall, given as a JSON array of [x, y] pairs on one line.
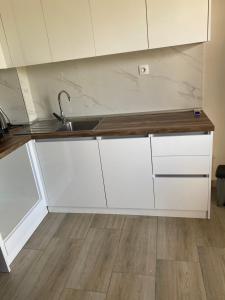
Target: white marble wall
[[112, 84], [11, 98]]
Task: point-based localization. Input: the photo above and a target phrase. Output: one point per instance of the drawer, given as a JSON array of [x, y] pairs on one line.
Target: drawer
[[181, 165], [181, 193], [199, 144]]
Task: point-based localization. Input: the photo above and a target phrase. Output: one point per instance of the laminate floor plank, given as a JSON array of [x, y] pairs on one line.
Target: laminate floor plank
[[44, 233], [212, 262], [131, 287], [70, 294], [179, 280], [108, 221], [94, 265], [137, 248], [10, 282], [176, 239], [74, 226], [47, 277]]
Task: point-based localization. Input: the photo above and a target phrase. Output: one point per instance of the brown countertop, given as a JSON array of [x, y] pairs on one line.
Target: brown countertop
[[139, 124], [123, 125], [11, 142]]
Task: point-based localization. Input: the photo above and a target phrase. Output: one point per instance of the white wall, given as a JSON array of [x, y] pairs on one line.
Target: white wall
[[214, 80], [112, 85], [11, 98]]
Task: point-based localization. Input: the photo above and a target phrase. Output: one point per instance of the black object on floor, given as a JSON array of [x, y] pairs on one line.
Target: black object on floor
[[220, 185]]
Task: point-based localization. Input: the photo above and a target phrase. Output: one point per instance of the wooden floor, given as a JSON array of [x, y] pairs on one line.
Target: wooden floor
[[112, 257]]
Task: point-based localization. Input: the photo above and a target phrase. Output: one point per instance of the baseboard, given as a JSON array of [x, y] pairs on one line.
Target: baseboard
[[15, 241], [138, 212]]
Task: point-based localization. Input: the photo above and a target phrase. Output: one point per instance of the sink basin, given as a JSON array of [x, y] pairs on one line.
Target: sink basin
[[78, 125]]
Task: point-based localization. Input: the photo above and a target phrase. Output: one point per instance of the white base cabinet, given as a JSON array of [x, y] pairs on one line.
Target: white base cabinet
[[22, 201], [127, 172], [72, 173]]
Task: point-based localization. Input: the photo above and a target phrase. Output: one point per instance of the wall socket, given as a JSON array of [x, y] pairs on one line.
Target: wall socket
[[143, 69]]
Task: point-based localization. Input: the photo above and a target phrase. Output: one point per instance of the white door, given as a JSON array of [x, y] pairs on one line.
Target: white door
[[18, 191], [72, 173], [127, 172], [69, 28], [119, 26], [177, 22], [25, 31]]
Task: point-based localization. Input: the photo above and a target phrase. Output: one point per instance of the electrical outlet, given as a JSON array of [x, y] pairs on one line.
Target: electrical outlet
[[143, 69]]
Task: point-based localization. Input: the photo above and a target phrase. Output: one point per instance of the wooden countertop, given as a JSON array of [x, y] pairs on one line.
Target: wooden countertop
[[123, 125], [11, 142], [139, 124]]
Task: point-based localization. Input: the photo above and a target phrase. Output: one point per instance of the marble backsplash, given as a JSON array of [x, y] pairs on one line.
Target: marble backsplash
[[11, 98], [112, 84]]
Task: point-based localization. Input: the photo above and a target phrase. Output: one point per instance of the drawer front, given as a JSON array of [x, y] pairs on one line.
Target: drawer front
[[178, 193], [181, 165], [198, 144]]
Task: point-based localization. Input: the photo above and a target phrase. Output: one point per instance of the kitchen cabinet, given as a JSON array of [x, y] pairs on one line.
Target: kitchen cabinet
[[5, 59], [127, 171], [18, 189], [25, 31], [119, 26], [182, 171], [69, 28], [22, 201], [177, 22], [72, 173]]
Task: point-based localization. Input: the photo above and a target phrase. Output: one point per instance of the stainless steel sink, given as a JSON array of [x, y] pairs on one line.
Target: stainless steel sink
[[78, 125]]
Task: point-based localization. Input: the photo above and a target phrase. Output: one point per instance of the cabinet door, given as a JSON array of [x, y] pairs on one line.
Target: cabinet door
[[25, 30], [69, 28], [5, 59], [177, 22], [119, 26], [72, 173], [127, 172], [18, 191]]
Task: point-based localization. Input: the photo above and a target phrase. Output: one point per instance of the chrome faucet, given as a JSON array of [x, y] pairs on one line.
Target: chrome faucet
[[62, 116]]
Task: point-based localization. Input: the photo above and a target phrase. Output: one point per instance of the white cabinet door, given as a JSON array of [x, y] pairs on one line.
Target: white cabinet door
[[180, 193], [18, 191], [5, 59], [72, 173], [25, 30], [69, 28], [177, 22], [119, 26], [127, 172]]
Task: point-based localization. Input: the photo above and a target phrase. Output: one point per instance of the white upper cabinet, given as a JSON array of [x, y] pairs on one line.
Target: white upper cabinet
[[177, 22], [69, 28], [5, 59], [25, 30], [127, 172], [119, 26]]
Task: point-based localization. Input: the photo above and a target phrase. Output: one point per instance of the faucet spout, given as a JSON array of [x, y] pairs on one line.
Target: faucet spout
[[63, 118]]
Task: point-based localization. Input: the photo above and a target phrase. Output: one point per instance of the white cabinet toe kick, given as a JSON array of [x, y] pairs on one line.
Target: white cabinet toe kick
[[164, 175]]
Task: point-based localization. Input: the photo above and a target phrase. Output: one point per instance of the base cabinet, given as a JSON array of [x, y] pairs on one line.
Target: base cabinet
[[127, 171], [72, 173]]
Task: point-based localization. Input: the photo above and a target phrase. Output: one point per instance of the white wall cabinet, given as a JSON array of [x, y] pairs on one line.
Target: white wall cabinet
[[69, 28], [127, 172], [177, 22], [5, 59], [25, 30], [72, 173], [119, 26]]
